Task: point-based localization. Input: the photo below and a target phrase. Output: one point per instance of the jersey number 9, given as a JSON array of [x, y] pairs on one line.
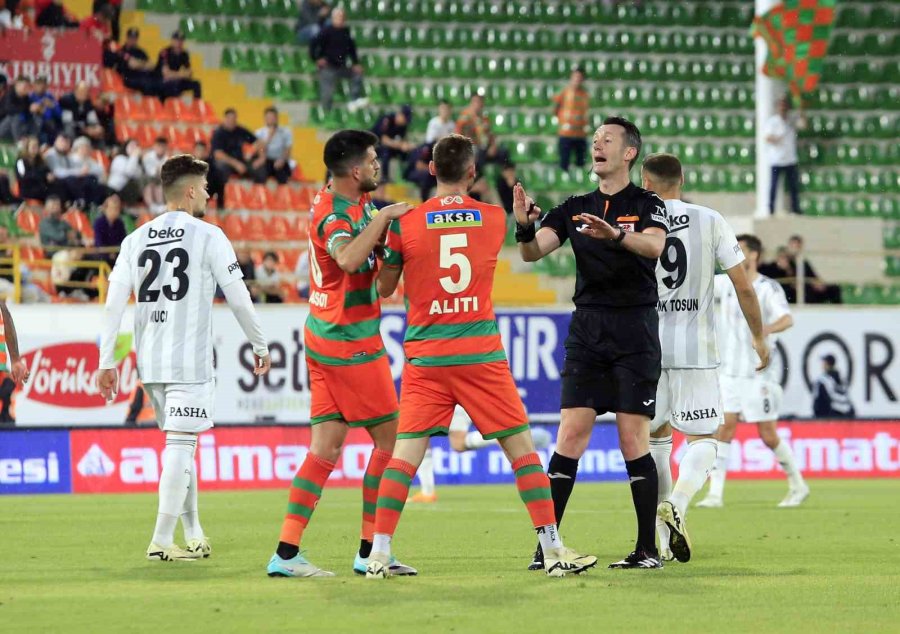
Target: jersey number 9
[[676, 265]]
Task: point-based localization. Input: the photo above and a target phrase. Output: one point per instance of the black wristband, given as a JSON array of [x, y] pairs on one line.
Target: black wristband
[[525, 233], [621, 235]]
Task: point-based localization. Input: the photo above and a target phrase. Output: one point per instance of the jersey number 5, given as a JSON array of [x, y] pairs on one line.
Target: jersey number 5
[[459, 260], [179, 272], [676, 265]]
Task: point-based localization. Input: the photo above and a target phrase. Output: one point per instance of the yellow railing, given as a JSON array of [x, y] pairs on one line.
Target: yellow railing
[[12, 261]]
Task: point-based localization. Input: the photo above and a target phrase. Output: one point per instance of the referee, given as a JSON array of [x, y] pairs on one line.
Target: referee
[[612, 351]]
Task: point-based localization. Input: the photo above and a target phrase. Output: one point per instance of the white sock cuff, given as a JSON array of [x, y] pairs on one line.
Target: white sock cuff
[[661, 442], [183, 442]]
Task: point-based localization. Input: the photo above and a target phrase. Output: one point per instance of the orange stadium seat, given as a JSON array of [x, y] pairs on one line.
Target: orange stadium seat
[[280, 199], [233, 226], [301, 198], [279, 228], [236, 195], [132, 109], [28, 220], [288, 258], [110, 81], [101, 157], [204, 112], [154, 109], [256, 228], [173, 110], [126, 131], [257, 197], [299, 228], [181, 139], [79, 221], [145, 134]]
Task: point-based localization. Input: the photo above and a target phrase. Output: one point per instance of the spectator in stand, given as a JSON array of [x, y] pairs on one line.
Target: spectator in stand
[[391, 131], [53, 230], [830, 399], [126, 174], [780, 134], [301, 273], [95, 191], [572, 106], [174, 66], [115, 14], [275, 144], [268, 280], [228, 143], [214, 183], [109, 229], [31, 292], [55, 16], [474, 124], [152, 162], [332, 49], [17, 113], [782, 271], [99, 24], [816, 291], [80, 116], [248, 269], [135, 67], [76, 175], [441, 124], [48, 113], [313, 16], [32, 172]]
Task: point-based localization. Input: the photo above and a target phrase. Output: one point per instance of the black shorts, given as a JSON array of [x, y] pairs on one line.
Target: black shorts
[[613, 360]]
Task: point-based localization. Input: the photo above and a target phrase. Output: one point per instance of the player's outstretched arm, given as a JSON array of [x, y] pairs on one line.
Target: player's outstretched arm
[[241, 305], [351, 255], [388, 279], [116, 300], [17, 368], [532, 245], [649, 243], [750, 308]]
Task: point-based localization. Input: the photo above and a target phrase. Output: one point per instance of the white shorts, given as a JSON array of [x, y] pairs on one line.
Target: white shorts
[[185, 407], [756, 399], [690, 400], [460, 421]]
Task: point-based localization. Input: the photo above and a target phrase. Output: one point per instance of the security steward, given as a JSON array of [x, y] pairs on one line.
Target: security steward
[[613, 354]]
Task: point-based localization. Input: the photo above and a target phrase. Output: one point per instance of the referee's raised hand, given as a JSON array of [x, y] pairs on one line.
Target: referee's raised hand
[[597, 227], [524, 207]]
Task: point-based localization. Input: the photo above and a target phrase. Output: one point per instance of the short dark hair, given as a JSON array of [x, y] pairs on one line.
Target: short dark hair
[[796, 237], [161, 139], [178, 167], [452, 156], [347, 149], [665, 168], [444, 102], [632, 135], [229, 111], [270, 254], [753, 243], [271, 109], [53, 197]]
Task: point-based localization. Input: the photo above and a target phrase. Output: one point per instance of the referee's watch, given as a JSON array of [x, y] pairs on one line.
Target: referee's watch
[[621, 235]]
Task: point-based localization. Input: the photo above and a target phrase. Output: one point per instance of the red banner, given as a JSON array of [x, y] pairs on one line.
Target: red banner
[[128, 460], [228, 458], [65, 57]]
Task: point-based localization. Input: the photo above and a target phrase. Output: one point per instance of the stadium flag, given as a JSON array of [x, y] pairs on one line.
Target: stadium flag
[[796, 33]]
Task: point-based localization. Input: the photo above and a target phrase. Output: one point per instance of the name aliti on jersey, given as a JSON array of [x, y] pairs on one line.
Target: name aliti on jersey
[[453, 306]]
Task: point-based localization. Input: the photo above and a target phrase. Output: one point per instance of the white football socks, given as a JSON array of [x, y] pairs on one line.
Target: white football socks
[[426, 474], [717, 476], [475, 441], [785, 458], [190, 516], [549, 537], [695, 466], [174, 482], [381, 544], [661, 452]]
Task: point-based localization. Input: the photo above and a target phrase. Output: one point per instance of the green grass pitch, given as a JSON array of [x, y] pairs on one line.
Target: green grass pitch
[[75, 564]]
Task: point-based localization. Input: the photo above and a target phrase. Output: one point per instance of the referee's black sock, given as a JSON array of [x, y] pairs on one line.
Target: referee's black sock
[[562, 472], [644, 488]]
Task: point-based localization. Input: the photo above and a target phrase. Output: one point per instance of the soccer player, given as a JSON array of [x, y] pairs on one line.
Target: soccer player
[[173, 265], [349, 372], [461, 439], [448, 248], [688, 397], [613, 357], [10, 361], [749, 396]]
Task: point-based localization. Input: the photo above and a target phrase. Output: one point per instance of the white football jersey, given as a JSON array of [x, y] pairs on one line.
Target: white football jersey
[[698, 240], [172, 265], [738, 356]]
